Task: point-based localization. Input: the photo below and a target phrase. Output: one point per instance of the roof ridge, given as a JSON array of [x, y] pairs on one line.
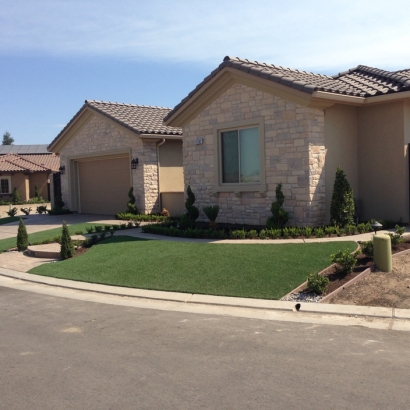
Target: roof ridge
[[17, 156], [127, 104]]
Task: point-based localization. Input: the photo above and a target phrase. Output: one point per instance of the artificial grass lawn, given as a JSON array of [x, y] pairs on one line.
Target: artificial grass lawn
[[9, 243], [244, 270]]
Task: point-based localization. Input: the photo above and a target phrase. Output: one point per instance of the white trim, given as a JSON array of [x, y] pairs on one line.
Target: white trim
[[9, 179]]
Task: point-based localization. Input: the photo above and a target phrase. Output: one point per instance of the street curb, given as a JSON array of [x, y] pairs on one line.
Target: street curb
[[222, 301]]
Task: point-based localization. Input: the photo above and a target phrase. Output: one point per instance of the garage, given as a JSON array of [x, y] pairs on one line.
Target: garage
[[103, 185]]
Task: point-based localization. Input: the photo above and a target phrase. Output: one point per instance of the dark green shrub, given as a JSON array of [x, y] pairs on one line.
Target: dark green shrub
[[78, 232], [274, 233], [107, 228], [285, 233], [57, 239], [12, 212], [35, 191], [262, 234], [67, 247], [98, 228], [2, 202], [116, 227], [130, 225], [192, 213], [294, 232], [22, 237], [39, 200], [16, 197], [319, 232], [361, 228], [211, 213], [102, 235], [123, 226], [237, 234], [131, 208], [26, 211], [342, 205], [397, 237], [330, 230], [367, 248], [307, 232], [42, 209], [317, 283], [125, 216], [279, 216], [350, 229], [94, 238], [45, 241], [345, 261], [89, 229]]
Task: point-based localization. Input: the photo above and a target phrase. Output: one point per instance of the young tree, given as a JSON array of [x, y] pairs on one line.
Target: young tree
[[7, 139], [16, 197], [132, 209], [67, 247], [36, 191], [279, 216], [342, 205], [22, 237]]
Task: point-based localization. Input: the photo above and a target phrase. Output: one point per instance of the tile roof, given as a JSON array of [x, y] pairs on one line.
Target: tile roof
[[361, 81], [29, 163], [23, 149], [141, 119]]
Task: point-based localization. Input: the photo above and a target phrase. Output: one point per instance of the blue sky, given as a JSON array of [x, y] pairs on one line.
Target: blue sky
[[54, 54]]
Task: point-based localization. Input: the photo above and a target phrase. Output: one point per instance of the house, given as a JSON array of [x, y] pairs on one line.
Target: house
[[108, 147], [25, 166], [249, 126]]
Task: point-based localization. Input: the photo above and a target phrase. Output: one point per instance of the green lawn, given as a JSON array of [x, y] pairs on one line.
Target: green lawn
[[8, 219], [6, 244], [253, 270]]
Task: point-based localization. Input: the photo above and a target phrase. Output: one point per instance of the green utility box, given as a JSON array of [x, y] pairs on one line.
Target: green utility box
[[382, 252]]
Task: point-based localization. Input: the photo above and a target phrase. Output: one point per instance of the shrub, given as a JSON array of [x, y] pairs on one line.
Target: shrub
[[397, 237], [345, 260], [252, 234], [350, 229], [89, 229], [294, 232], [130, 225], [123, 226], [342, 204], [45, 241], [12, 212], [36, 200], [22, 237], [57, 239], [237, 234], [361, 228], [192, 212], [26, 211], [319, 232], [116, 227], [317, 283], [211, 213], [367, 248], [262, 234], [307, 232], [165, 212], [124, 216], [274, 233], [78, 232], [98, 228], [330, 230], [94, 238], [36, 191], [67, 247], [131, 208], [102, 235], [279, 216], [16, 197], [42, 209], [285, 233], [107, 228]]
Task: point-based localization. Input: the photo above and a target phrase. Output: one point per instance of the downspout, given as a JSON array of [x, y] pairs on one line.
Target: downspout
[[159, 192]]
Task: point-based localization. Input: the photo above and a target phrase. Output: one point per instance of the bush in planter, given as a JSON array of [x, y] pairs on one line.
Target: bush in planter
[[317, 283], [273, 233], [319, 232], [342, 204], [192, 212], [279, 216], [41, 209], [345, 260], [367, 248], [211, 213], [397, 237], [12, 212], [22, 237], [67, 247], [26, 211]]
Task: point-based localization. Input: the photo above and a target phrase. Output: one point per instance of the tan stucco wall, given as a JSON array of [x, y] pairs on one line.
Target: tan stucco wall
[[101, 136], [21, 182], [41, 179], [294, 155], [383, 167], [341, 140], [171, 175]]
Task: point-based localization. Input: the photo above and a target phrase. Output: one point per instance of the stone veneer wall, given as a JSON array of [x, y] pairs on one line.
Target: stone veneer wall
[[100, 136], [295, 154]]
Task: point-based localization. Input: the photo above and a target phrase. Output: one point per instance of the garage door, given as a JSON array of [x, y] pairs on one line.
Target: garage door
[[104, 185]]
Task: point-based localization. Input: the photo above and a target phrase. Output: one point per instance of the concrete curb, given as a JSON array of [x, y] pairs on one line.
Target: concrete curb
[[209, 300]]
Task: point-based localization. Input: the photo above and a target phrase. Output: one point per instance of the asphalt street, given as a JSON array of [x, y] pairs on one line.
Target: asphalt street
[[58, 353]]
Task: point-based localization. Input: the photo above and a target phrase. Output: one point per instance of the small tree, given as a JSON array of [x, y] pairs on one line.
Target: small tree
[[22, 237], [16, 197], [132, 209], [279, 216], [342, 205], [192, 212], [7, 139], [67, 246], [36, 191]]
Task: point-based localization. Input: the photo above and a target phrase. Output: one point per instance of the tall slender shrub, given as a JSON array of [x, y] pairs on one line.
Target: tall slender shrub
[[16, 197], [67, 246], [22, 237], [342, 205], [192, 212], [132, 209], [279, 216], [36, 191]]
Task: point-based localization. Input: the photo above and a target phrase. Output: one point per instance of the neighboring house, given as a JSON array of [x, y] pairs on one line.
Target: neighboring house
[[23, 167], [249, 126], [108, 147]]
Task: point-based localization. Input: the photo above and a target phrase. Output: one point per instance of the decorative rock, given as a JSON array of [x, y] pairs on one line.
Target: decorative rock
[[309, 297]]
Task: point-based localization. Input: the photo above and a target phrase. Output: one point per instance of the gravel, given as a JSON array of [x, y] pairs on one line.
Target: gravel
[[302, 297]]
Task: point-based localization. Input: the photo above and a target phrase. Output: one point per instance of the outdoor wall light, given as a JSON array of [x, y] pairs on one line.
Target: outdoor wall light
[[134, 163], [62, 169], [376, 225]]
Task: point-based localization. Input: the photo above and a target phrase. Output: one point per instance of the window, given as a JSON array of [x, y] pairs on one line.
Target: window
[[240, 154], [5, 185]]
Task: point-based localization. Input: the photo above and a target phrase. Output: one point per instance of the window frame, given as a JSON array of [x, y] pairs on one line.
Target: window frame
[[8, 178], [238, 187]]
